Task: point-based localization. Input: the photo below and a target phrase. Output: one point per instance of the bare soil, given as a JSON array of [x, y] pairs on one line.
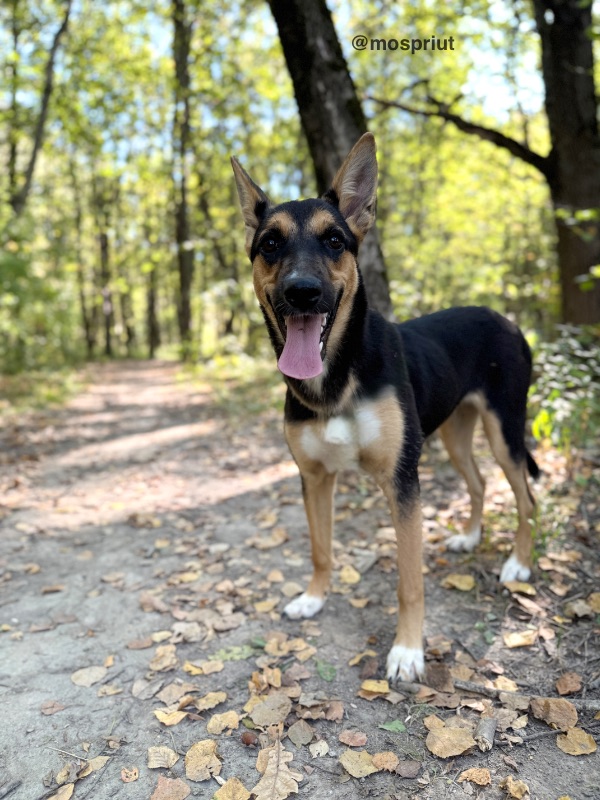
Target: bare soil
[[149, 513]]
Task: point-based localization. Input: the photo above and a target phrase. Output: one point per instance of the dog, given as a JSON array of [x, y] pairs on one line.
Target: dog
[[364, 391]]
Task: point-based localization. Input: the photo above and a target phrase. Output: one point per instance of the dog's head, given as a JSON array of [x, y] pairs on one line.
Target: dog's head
[[303, 255]]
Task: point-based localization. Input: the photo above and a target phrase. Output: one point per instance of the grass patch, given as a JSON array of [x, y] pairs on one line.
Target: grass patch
[[38, 389]]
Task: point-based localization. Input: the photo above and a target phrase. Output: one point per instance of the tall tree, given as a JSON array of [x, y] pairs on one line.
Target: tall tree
[[330, 111], [572, 167], [182, 35]]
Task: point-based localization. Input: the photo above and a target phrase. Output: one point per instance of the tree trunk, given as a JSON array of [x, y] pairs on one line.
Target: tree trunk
[[571, 105], [330, 111], [182, 33], [86, 318]]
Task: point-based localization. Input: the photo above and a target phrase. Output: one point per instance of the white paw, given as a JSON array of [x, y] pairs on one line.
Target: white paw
[[306, 605], [513, 570], [464, 542], [407, 663]]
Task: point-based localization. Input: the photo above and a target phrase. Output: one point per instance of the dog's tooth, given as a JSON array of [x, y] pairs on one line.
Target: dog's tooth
[[321, 347]]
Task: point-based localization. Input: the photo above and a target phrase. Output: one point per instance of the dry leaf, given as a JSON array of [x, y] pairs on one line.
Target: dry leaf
[[358, 763], [568, 683], [576, 742], [359, 657], [353, 738], [130, 775], [505, 684], [408, 768], [162, 757], [210, 700], [556, 712], [233, 789], [479, 775], [50, 707], [464, 583], [301, 733], [514, 788], [278, 537], [201, 761], [349, 575], [520, 638], [264, 606], [230, 720], [520, 587], [319, 749], [387, 761], [171, 789], [165, 658], [169, 718], [375, 687], [88, 676], [278, 781], [272, 710], [593, 602], [432, 721], [64, 793], [448, 742], [93, 765], [359, 602]]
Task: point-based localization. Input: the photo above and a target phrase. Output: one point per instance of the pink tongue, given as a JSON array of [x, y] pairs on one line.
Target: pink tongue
[[301, 357]]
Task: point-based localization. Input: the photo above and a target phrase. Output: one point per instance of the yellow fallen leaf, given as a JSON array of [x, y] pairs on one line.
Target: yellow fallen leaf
[[349, 575], [448, 742], [93, 765], [358, 763], [210, 700], [162, 757], [277, 781], [555, 711], [233, 789], [358, 602], [378, 687], [520, 638], [359, 657], [387, 761], [88, 676], [568, 683], [516, 789], [464, 583], [505, 684], [169, 718], [264, 606], [201, 762], [432, 721], [130, 775], [593, 602], [479, 775], [64, 793], [520, 587], [576, 742], [165, 658], [219, 722]]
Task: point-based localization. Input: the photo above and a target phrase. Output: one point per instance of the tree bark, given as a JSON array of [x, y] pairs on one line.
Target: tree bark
[[330, 112], [182, 33], [19, 198]]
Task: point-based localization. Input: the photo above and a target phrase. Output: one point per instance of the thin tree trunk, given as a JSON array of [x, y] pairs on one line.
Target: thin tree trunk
[[86, 318], [330, 111]]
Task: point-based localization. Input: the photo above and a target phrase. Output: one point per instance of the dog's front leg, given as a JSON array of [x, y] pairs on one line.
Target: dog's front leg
[[405, 659], [318, 487]]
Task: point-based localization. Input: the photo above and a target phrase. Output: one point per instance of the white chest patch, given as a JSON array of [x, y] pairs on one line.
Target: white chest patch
[[337, 442]]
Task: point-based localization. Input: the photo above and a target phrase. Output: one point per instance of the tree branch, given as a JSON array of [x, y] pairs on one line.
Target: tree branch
[[521, 151], [19, 199]]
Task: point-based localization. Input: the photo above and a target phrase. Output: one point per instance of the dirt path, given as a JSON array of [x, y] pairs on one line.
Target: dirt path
[[151, 534]]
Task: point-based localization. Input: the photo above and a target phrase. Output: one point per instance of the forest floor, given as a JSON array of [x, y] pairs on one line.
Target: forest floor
[[152, 530]]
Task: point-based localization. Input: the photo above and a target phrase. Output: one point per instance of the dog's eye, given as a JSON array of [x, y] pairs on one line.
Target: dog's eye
[[334, 241], [270, 244]]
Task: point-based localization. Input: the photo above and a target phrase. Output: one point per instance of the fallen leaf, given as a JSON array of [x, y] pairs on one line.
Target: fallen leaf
[[264, 606], [387, 761], [319, 749], [165, 658], [359, 657], [593, 602], [521, 588], [278, 537], [479, 775], [277, 781], [464, 583], [432, 722], [556, 712], [568, 683], [109, 690], [88, 676], [93, 765], [376, 687], [210, 700], [408, 768], [359, 602], [230, 720], [161, 757], [505, 684], [353, 738], [514, 788], [578, 608], [358, 763], [169, 718], [64, 793], [395, 726], [201, 761], [520, 638], [349, 575], [233, 789], [130, 775], [576, 742], [50, 707], [448, 742], [272, 710], [301, 733], [170, 789]]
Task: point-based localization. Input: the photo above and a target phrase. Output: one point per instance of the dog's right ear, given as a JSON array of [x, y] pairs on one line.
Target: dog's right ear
[[253, 200]]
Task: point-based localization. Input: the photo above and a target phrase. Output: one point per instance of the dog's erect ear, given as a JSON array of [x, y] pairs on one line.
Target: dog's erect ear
[[253, 200], [354, 188]]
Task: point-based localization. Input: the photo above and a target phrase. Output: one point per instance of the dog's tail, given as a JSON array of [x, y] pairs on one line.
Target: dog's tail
[[532, 467]]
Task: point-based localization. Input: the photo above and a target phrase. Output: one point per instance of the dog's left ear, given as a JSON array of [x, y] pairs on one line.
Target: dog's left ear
[[253, 200], [354, 188]]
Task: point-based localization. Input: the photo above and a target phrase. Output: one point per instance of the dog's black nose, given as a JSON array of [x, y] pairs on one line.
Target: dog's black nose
[[303, 293]]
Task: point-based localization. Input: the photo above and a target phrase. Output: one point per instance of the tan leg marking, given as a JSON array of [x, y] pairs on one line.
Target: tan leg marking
[[457, 436], [518, 565]]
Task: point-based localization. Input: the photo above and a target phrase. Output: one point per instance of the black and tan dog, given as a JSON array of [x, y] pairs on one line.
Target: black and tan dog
[[363, 391]]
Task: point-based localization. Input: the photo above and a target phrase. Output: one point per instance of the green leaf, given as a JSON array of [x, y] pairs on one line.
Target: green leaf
[[395, 726], [326, 671]]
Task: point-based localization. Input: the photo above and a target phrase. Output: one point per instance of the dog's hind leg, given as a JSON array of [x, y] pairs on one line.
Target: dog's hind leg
[[518, 565], [318, 487], [457, 436]]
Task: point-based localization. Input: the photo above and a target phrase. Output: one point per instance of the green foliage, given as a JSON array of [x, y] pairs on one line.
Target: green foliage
[[566, 393]]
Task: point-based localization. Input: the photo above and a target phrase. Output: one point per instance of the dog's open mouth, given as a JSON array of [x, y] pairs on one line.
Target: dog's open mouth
[[304, 343]]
